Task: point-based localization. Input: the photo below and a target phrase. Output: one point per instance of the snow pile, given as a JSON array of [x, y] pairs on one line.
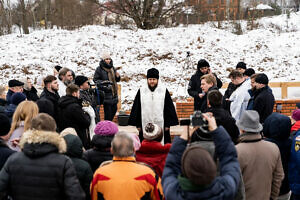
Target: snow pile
[[266, 50]]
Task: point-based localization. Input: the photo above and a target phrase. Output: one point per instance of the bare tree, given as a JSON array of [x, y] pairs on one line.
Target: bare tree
[[147, 14], [24, 17]]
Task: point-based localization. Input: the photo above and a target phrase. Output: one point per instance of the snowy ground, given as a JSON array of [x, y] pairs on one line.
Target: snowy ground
[[273, 49]]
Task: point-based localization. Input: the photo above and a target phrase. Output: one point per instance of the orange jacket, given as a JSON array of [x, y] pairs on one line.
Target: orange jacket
[[125, 179]]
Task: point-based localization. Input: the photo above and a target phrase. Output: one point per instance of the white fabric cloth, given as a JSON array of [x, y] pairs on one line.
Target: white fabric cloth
[[239, 100], [90, 111], [152, 105], [61, 88]]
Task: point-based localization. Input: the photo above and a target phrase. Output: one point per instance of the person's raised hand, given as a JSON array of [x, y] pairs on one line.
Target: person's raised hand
[[212, 124]]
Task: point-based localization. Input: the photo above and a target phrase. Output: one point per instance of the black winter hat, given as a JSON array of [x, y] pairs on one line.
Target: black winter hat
[[4, 125], [153, 73], [262, 78], [14, 83], [249, 72], [202, 63], [17, 98], [241, 65], [57, 67], [79, 80]]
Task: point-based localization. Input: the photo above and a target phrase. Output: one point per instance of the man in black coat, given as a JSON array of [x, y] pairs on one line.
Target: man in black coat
[[194, 88], [72, 115], [223, 117], [263, 97], [208, 83], [29, 90], [50, 93], [106, 78], [13, 86], [5, 151], [40, 171], [153, 103]]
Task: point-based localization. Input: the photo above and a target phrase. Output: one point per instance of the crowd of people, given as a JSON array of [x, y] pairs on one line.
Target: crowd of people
[[53, 144]]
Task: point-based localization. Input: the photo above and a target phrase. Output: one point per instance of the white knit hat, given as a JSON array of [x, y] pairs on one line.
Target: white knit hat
[[105, 55], [152, 131]]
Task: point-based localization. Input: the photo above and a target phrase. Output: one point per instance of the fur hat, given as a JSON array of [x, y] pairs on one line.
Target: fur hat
[[202, 63], [106, 128], [79, 80], [296, 114], [14, 83], [241, 65], [200, 171], [4, 125], [105, 55], [17, 98], [153, 73], [152, 131], [262, 79], [249, 122]]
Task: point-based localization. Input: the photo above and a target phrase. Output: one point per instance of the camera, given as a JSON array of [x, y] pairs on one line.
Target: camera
[[196, 119]]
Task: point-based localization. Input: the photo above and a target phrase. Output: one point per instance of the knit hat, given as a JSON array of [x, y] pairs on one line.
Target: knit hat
[[153, 73], [249, 72], [296, 114], [4, 125], [79, 80], [17, 98], [262, 78], [105, 55], [106, 128], [136, 141], [152, 131], [241, 65], [200, 171], [202, 63], [249, 122], [14, 83]]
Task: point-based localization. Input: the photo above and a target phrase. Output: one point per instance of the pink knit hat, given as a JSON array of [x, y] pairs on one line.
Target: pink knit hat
[[136, 141], [106, 128], [296, 114]]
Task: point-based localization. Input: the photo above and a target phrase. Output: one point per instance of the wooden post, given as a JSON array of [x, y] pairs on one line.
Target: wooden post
[[284, 87], [119, 96]]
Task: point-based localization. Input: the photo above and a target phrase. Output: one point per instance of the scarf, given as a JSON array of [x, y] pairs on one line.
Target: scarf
[[111, 77], [187, 185]]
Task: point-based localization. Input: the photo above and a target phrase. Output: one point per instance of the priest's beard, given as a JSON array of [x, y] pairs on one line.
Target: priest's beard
[[152, 88]]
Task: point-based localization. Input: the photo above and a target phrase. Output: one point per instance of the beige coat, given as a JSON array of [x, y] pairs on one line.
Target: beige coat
[[261, 167]]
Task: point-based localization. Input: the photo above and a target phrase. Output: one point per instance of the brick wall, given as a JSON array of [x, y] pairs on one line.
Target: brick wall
[[185, 109]]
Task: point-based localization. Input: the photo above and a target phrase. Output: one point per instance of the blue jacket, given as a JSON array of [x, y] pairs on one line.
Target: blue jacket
[[277, 129], [294, 165], [223, 187]]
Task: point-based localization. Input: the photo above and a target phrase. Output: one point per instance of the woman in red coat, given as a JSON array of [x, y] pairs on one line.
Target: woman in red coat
[[152, 152]]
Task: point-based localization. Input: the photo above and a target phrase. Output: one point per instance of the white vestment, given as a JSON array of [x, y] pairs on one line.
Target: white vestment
[[152, 105]]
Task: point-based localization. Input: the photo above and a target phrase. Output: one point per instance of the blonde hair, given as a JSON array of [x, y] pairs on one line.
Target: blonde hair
[[210, 79], [25, 111]]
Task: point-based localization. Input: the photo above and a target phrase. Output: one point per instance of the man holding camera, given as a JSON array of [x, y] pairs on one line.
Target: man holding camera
[[194, 88], [153, 104], [185, 177], [106, 78]]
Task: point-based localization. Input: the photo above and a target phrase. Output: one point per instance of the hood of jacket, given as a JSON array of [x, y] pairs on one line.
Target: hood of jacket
[[37, 143], [277, 126], [102, 142], [67, 100], [153, 147], [74, 146]]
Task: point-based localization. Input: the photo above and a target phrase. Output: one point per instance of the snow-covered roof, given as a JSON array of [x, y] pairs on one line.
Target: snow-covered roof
[[262, 7]]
